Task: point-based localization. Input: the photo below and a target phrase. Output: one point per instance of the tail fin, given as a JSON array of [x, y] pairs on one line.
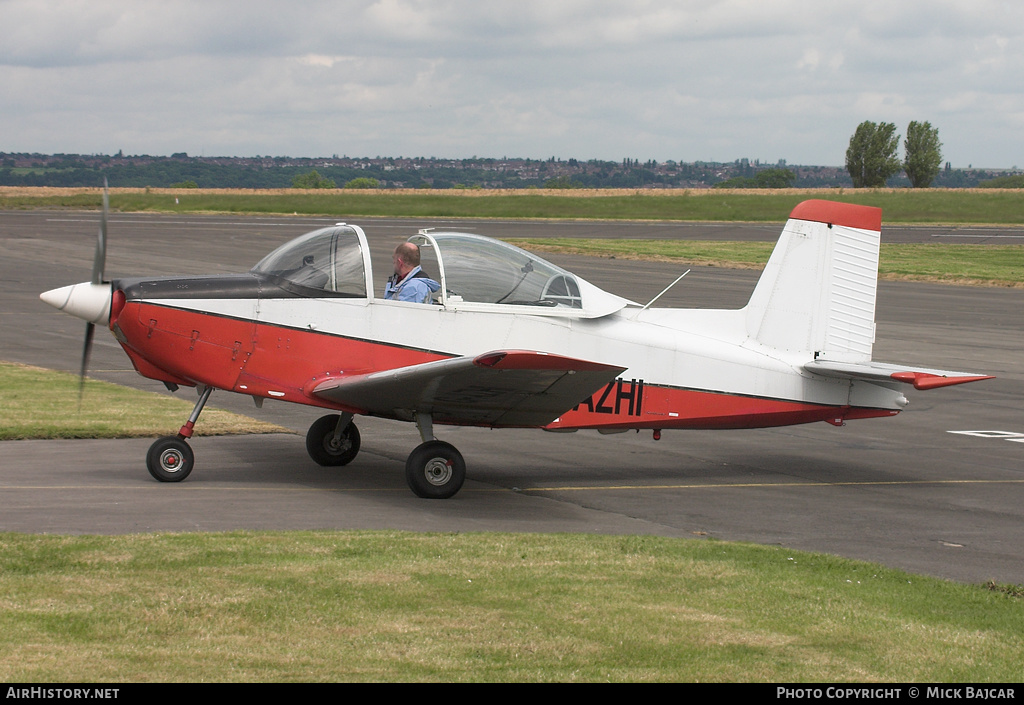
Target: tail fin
[[817, 293]]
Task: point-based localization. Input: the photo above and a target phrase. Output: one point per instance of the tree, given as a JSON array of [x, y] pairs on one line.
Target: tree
[[312, 180], [871, 156], [923, 154], [775, 178], [363, 182]]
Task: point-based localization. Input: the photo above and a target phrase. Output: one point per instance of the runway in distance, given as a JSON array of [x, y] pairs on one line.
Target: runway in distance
[[509, 340]]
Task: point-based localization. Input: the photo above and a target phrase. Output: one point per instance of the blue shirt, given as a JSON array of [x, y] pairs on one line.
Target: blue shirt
[[415, 287]]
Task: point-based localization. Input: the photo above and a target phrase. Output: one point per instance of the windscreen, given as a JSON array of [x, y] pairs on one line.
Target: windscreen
[[327, 260]]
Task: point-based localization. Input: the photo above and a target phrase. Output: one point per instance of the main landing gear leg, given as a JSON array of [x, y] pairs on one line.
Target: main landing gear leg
[[435, 469], [170, 459]]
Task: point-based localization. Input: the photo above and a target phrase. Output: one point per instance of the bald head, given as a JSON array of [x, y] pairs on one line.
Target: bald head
[[409, 253], [406, 258]]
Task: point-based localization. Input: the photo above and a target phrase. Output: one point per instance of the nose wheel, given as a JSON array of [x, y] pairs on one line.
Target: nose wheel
[[170, 459], [435, 470]]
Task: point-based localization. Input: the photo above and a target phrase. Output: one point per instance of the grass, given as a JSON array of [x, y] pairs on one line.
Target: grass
[[989, 265], [394, 606], [977, 206], [38, 403]]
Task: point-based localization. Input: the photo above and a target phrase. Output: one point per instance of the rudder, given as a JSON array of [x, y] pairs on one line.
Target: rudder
[[817, 292]]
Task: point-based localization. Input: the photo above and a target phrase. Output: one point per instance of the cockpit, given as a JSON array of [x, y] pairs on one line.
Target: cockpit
[[475, 272]]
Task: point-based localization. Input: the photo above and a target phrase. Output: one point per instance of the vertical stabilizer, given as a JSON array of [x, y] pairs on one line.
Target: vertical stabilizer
[[817, 292]]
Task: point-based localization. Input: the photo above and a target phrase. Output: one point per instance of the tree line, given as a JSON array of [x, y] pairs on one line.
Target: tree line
[[870, 162], [871, 157]]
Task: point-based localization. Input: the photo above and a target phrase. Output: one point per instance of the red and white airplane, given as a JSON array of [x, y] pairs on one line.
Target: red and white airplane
[[510, 341]]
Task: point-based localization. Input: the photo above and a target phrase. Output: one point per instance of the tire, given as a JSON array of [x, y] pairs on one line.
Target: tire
[[435, 470], [323, 449], [170, 459]]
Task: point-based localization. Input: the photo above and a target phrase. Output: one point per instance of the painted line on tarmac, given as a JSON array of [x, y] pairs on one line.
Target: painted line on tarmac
[[767, 485], [980, 236], [194, 488], [524, 490]]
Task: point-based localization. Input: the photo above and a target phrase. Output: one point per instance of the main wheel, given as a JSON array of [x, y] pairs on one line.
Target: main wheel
[[435, 470], [327, 450], [170, 459]]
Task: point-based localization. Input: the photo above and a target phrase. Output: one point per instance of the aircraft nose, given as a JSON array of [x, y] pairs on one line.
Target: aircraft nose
[[90, 302]]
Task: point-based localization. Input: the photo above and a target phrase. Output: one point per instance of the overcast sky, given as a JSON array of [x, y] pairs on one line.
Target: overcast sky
[[688, 81]]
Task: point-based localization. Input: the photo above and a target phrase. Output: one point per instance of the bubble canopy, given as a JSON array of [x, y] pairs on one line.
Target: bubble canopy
[[480, 273], [331, 261], [475, 272]]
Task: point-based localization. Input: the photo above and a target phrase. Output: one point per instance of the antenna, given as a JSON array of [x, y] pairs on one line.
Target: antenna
[[664, 290]]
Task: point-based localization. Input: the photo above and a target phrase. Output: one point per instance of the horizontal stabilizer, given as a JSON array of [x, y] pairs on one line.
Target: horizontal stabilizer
[[499, 388], [921, 378]]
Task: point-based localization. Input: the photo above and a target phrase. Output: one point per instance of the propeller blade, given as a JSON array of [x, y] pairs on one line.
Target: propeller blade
[[90, 328], [100, 258]]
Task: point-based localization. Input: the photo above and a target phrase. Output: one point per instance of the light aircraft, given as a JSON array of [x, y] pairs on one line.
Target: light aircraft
[[511, 341]]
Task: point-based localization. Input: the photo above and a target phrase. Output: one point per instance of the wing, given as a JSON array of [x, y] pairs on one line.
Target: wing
[[500, 388], [921, 378]]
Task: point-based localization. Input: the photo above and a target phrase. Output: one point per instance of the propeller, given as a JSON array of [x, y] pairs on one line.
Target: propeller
[[100, 258], [98, 264]]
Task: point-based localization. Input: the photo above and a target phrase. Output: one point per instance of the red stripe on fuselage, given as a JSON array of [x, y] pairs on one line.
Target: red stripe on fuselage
[[249, 357], [627, 403]]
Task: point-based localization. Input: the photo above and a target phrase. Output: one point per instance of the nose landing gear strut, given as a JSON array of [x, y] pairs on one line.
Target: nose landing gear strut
[[170, 459]]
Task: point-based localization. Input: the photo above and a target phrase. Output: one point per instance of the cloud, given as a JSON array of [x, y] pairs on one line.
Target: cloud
[[687, 80]]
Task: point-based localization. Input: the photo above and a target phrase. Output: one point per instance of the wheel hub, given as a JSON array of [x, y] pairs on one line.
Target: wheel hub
[[337, 446], [170, 460], [438, 471]]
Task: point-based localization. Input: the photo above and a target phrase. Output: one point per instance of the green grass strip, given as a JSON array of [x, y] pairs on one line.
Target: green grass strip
[[38, 403], [975, 206], [394, 606]]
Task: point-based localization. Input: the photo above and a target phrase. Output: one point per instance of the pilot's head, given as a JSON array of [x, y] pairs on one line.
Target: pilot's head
[[406, 258]]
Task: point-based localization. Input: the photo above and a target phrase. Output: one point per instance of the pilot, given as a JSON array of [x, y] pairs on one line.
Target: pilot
[[410, 282]]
